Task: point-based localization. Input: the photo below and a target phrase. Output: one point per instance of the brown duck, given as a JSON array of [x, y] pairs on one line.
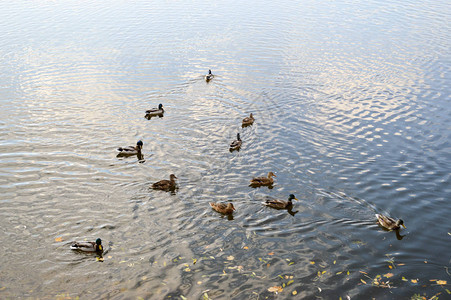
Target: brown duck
[[223, 208], [260, 181], [389, 223], [165, 185], [248, 120]]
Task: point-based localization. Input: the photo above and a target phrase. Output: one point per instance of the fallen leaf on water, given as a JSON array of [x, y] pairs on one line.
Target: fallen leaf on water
[[323, 272], [425, 261], [335, 262], [414, 280], [99, 258], [447, 291], [267, 265], [246, 248], [363, 272], [2, 288], [338, 273], [183, 297], [194, 261], [294, 293], [230, 257], [291, 263], [319, 289], [187, 269], [271, 253], [59, 239], [290, 282], [280, 276], [441, 282], [401, 264], [275, 289], [404, 279], [205, 296], [312, 262], [347, 273], [199, 282], [109, 256], [388, 275], [390, 267], [364, 282]]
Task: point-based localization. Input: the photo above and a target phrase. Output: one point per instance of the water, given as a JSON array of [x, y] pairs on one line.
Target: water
[[352, 109]]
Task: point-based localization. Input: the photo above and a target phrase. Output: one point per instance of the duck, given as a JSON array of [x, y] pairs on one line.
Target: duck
[[223, 208], [236, 144], [130, 150], [248, 120], [165, 185], [280, 204], [259, 181], [155, 111], [209, 76], [88, 246], [389, 223]]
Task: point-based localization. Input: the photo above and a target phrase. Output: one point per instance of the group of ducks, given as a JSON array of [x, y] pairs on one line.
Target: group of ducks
[[223, 208]]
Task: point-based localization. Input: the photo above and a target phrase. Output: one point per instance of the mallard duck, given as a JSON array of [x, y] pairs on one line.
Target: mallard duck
[[236, 144], [259, 181], [223, 208], [155, 111], [165, 185], [130, 150], [88, 246], [248, 120], [209, 76], [389, 223], [280, 204]]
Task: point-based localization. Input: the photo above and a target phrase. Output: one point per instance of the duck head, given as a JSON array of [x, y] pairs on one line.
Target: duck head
[[99, 244], [139, 144], [292, 197], [238, 137], [160, 106], [271, 174], [172, 177], [400, 223]]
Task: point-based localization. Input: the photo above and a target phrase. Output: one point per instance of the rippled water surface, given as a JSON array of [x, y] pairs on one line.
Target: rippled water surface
[[352, 112]]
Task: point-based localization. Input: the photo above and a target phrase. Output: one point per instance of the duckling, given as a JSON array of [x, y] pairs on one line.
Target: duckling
[[130, 150], [155, 111], [88, 246], [165, 185], [260, 181], [389, 223], [236, 144], [209, 76], [280, 204], [248, 121], [223, 208]]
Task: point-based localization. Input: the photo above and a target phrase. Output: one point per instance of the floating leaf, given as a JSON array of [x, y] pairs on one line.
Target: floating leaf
[[58, 239], [99, 258], [312, 262], [291, 263], [323, 272], [267, 265], [187, 269], [414, 280], [447, 291], [401, 264], [363, 272], [290, 282], [230, 257], [294, 293], [3, 288], [441, 282], [338, 273], [319, 289], [194, 261], [183, 297], [275, 289], [205, 296], [390, 267], [283, 285], [335, 262], [271, 253], [347, 273], [199, 282], [404, 279], [246, 248], [364, 282], [388, 275]]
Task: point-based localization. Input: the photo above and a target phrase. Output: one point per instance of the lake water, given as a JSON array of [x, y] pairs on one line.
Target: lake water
[[352, 112]]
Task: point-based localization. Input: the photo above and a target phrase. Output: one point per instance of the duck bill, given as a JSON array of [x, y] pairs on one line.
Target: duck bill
[[404, 226]]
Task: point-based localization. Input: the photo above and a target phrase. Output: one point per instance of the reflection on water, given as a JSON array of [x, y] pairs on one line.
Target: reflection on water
[[351, 109]]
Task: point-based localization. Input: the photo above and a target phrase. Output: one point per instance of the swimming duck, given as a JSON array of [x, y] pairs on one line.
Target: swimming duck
[[130, 150], [389, 223], [248, 120], [223, 208], [209, 76], [236, 144], [165, 185], [259, 181], [280, 204], [88, 246], [155, 111]]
